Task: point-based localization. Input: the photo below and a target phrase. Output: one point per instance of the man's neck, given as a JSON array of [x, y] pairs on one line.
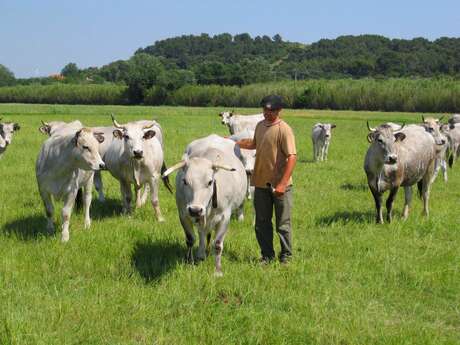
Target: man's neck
[[274, 122]]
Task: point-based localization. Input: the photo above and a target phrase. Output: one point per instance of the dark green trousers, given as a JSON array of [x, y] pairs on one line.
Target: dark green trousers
[[264, 203]]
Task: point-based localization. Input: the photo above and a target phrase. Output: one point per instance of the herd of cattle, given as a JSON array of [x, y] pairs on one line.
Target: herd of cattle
[[213, 176]]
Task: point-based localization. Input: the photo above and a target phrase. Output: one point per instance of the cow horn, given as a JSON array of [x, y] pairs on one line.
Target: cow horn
[[148, 126], [173, 168], [115, 123], [223, 167], [400, 128], [43, 123], [369, 127]]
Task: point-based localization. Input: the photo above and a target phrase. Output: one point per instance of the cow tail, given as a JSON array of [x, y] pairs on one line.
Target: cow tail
[[166, 178], [419, 187], [79, 199]]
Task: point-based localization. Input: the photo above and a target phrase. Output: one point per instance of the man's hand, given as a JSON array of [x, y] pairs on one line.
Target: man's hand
[[280, 189]]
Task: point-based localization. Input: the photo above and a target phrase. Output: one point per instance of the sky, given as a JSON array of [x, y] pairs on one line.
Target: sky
[[40, 37]]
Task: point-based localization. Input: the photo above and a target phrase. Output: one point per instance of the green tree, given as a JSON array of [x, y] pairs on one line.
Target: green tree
[[6, 76], [70, 71]]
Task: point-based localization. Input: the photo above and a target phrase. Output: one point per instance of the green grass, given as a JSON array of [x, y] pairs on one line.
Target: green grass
[[125, 282]]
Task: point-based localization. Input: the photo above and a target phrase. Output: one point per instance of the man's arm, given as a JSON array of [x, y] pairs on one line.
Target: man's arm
[[247, 144], [290, 164]]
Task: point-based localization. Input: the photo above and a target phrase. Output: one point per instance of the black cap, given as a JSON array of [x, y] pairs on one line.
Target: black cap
[[273, 102]]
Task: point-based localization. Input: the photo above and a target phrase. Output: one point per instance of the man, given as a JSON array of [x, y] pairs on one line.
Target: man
[[275, 162]]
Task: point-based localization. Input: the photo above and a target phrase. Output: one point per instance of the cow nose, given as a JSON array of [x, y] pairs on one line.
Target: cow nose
[[195, 211], [102, 166], [138, 153], [392, 159], [442, 142]]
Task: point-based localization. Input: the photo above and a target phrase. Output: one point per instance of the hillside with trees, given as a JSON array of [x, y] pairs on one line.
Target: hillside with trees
[[158, 70]]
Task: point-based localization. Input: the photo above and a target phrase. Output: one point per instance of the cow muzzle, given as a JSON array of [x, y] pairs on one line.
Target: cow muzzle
[[195, 211], [392, 159], [138, 154]]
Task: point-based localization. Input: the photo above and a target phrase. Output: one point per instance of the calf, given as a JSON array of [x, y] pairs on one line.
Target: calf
[[65, 164], [7, 130], [321, 137]]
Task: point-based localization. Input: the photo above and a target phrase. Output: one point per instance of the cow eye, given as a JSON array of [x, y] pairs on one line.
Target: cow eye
[[126, 136], [380, 141], [185, 182], [209, 183], [86, 148]]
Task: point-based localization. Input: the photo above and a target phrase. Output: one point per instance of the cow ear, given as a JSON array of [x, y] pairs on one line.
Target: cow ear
[[149, 134], [99, 137], [45, 130], [370, 137], [117, 134], [75, 139], [221, 114], [16, 127], [400, 136], [333, 126], [214, 195]]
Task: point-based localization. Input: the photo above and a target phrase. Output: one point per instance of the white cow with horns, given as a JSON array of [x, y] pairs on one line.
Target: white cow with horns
[[239, 123], [210, 185], [65, 164], [136, 157]]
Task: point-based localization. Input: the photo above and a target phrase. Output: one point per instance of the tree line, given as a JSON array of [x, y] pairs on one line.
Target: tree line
[[156, 71]]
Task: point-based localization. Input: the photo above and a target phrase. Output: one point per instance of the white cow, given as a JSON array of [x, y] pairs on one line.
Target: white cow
[[239, 123], [247, 157], [136, 157], [210, 185], [6, 135], [321, 134], [65, 164], [60, 127]]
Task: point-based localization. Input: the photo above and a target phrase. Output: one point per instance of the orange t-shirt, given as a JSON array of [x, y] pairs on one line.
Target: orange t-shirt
[[274, 143]]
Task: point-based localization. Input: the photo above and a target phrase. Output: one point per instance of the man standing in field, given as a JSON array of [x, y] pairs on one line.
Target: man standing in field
[[275, 161]]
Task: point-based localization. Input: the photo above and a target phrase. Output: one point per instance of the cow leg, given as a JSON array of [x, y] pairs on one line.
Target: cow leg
[[219, 244], [189, 237], [389, 203], [425, 191], [378, 205], [87, 198], [145, 194], [201, 253], [99, 185], [248, 191], [208, 243], [326, 148], [407, 201], [69, 201], [240, 212], [315, 150], [137, 195], [155, 202], [49, 209], [444, 169], [126, 195]]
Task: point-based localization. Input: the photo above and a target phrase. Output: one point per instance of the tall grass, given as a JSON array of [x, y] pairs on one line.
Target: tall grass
[[411, 95], [65, 94]]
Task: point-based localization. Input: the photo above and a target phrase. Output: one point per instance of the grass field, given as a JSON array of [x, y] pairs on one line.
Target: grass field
[[125, 282]]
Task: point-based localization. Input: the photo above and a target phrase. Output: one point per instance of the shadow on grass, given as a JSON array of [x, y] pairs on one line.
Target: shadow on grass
[[107, 209], [308, 161], [354, 187], [29, 228], [344, 217], [153, 259]]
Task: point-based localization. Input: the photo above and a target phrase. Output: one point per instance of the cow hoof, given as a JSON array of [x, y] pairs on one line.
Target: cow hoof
[[87, 224], [65, 238], [218, 274], [161, 219]]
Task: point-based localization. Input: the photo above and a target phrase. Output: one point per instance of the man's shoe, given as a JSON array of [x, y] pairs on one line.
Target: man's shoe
[[285, 259]]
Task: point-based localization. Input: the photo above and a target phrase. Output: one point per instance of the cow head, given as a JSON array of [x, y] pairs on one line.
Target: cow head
[[7, 130], [133, 136], [432, 126], [87, 149], [326, 129], [383, 138], [226, 115], [198, 183]]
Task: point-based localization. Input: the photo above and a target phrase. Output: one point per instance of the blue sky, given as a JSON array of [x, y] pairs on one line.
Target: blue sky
[[39, 37]]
